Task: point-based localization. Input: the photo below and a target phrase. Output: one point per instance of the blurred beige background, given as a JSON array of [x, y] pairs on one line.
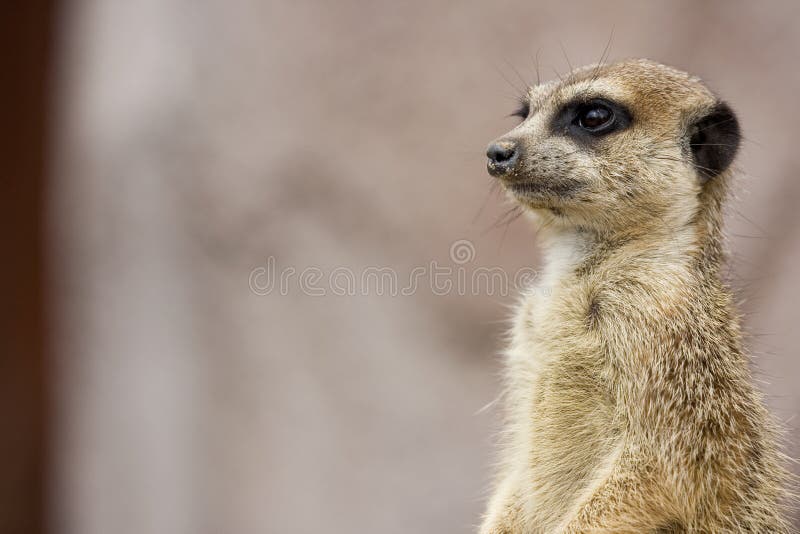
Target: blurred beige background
[[199, 139]]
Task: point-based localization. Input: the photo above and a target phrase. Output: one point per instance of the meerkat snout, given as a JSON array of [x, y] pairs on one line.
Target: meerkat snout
[[503, 157]]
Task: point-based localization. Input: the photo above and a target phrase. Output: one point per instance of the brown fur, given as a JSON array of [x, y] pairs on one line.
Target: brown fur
[[630, 405]]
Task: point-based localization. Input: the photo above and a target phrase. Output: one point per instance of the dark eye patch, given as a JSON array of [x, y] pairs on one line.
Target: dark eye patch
[[588, 119], [523, 109]]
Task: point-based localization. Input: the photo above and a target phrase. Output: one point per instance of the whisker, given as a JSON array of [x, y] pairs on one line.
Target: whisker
[[516, 216], [603, 56], [564, 51], [525, 83], [492, 189], [536, 65], [508, 81]]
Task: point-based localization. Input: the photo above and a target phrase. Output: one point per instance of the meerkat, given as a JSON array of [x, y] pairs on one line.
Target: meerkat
[[629, 402]]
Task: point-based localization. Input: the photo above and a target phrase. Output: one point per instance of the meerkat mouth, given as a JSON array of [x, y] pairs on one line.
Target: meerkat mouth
[[528, 189]]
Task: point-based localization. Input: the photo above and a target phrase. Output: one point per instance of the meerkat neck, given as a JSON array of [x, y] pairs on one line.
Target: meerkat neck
[[564, 249], [696, 244]]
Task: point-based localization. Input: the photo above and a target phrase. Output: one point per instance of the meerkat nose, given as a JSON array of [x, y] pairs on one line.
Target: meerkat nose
[[502, 157]]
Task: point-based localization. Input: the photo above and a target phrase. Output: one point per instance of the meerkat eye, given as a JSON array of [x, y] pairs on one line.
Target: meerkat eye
[[586, 120], [594, 117]]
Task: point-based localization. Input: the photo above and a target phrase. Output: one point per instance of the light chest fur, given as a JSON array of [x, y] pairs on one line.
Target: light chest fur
[[558, 377]]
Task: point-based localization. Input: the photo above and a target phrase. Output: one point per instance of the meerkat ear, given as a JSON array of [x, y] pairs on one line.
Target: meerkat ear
[[714, 141]]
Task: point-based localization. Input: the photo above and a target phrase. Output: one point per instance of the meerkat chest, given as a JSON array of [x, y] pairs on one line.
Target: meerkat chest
[[555, 363], [559, 392], [546, 312]]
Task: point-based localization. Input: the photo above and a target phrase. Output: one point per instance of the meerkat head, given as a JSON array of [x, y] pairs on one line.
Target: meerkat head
[[616, 145]]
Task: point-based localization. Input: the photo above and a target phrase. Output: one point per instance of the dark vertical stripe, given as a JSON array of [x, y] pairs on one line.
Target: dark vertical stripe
[[25, 38]]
